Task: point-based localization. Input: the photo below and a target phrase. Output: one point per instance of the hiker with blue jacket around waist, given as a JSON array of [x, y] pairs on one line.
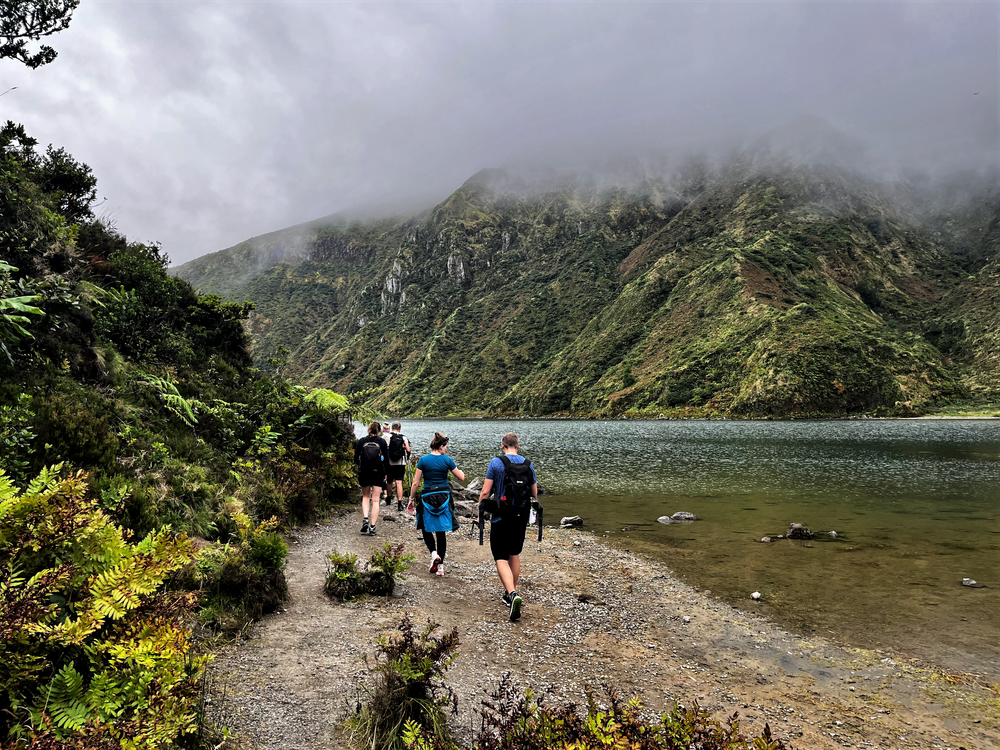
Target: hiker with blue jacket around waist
[[508, 475], [371, 454], [436, 512]]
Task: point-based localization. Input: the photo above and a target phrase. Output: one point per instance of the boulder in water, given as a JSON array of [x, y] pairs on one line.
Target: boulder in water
[[665, 519], [569, 521], [683, 515], [798, 531], [765, 539]]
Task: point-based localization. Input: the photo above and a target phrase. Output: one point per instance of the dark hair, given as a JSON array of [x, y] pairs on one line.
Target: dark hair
[[509, 440], [439, 441], [374, 429]]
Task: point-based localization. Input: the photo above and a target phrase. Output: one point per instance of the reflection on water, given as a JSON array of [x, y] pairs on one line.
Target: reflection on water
[[916, 505]]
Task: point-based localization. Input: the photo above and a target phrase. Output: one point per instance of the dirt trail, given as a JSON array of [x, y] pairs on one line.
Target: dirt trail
[[592, 614]]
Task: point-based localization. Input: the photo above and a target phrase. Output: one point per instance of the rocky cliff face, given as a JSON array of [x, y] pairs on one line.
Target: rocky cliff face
[[761, 289]]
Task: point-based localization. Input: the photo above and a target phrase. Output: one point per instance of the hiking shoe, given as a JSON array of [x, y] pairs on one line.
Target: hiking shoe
[[371, 530], [399, 506], [440, 570], [515, 606], [365, 526], [435, 563]]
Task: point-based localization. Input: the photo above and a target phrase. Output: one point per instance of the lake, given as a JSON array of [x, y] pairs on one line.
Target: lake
[[915, 504]]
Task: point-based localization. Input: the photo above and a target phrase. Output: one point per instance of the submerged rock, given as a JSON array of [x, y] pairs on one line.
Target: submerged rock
[[569, 521], [665, 519], [683, 515], [765, 539]]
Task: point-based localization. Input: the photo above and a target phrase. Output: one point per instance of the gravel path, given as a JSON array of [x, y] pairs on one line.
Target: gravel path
[[592, 614]]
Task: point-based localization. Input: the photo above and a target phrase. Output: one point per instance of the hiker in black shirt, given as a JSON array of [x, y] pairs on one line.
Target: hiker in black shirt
[[371, 454]]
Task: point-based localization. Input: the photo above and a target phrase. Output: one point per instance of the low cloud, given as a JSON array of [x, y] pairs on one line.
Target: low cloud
[[209, 122]]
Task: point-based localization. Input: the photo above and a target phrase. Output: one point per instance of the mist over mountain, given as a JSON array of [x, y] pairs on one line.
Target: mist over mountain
[[791, 277]]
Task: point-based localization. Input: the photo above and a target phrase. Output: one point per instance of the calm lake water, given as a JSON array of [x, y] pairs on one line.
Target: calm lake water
[[916, 505]]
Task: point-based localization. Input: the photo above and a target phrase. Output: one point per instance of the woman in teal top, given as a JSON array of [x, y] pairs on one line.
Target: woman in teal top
[[435, 498]]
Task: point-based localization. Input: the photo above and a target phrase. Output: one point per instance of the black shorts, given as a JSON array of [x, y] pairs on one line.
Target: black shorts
[[371, 478], [507, 538], [397, 473]]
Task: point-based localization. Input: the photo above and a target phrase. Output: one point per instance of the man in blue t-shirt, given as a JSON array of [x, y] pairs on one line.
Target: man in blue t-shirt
[[507, 533]]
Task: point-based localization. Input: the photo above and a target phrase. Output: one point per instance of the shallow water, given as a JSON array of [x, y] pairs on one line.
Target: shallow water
[[916, 505]]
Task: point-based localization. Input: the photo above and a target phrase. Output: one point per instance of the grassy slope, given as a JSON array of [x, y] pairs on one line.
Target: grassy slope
[[804, 293]]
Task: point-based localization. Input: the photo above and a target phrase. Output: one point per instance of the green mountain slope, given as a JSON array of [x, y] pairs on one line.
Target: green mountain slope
[[771, 289]]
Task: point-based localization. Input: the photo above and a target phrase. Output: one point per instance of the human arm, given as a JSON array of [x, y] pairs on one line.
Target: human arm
[[453, 468], [416, 483], [487, 489]]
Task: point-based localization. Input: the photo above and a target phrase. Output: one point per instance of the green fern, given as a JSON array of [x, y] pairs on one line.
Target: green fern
[[168, 392], [64, 700], [327, 402], [74, 585]]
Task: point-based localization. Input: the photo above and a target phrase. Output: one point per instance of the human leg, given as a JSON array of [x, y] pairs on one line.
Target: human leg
[[376, 493], [506, 575], [365, 502], [429, 541]]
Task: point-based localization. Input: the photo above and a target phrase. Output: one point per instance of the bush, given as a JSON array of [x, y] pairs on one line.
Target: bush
[[91, 641], [242, 581], [408, 689], [512, 720], [385, 568]]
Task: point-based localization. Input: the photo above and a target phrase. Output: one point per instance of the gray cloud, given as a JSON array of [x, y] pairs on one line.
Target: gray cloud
[[209, 122]]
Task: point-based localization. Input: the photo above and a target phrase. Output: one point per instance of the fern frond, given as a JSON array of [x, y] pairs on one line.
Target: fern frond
[[168, 392], [327, 402]]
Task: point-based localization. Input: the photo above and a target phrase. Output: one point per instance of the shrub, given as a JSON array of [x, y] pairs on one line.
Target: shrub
[[16, 437], [91, 641], [242, 581], [409, 688], [515, 720], [385, 568], [343, 579]]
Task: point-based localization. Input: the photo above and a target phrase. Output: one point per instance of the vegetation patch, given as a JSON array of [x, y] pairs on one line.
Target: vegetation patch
[[384, 569]]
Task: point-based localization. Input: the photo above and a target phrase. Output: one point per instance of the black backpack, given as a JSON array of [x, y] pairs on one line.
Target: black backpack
[[517, 481], [371, 456], [397, 448]]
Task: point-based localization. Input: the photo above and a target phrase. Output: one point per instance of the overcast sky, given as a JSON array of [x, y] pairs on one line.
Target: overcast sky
[[210, 122]]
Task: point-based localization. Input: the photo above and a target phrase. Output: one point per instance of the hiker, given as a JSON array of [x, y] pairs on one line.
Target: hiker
[[399, 455], [371, 454], [436, 514], [386, 480], [512, 480]]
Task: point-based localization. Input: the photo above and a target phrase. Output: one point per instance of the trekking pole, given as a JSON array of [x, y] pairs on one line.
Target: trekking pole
[[538, 515], [481, 524]]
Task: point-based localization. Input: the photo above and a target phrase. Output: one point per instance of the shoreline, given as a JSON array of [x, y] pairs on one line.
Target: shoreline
[[622, 418], [593, 614]]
